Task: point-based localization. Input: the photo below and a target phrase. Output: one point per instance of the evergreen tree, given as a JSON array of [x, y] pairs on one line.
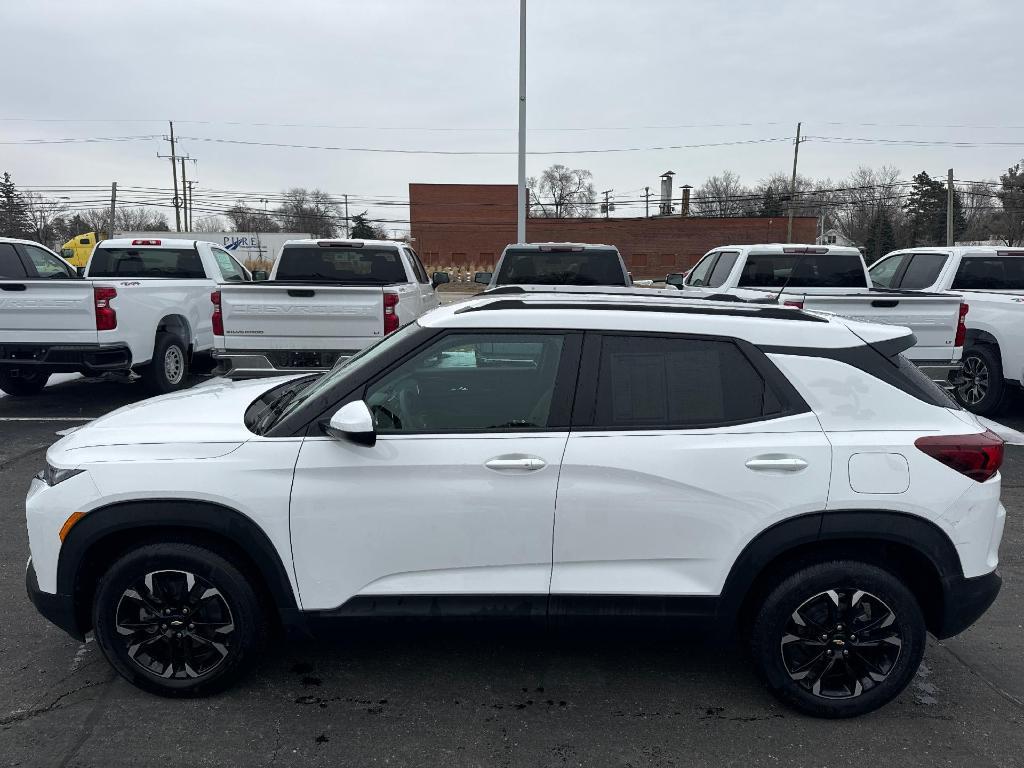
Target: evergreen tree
[[882, 239], [14, 218], [771, 204], [362, 229], [926, 211]]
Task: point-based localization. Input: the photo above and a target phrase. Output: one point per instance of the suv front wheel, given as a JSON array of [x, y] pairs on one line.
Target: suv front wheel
[[838, 639], [177, 620]]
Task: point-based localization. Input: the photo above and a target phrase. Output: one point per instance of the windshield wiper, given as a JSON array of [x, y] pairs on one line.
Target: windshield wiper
[[276, 406]]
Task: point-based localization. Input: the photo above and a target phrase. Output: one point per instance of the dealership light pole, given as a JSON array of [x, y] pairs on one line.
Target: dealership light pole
[[521, 220]]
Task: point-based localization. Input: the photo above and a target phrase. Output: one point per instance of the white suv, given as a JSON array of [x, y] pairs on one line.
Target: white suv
[[765, 468]]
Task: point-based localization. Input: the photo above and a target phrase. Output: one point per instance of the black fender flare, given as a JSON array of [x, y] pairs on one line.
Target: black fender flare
[[796, 533], [178, 514]]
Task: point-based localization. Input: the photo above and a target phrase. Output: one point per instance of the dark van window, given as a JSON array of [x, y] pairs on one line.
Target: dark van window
[[181, 263], [663, 383], [991, 273], [533, 266], [369, 266], [833, 270]]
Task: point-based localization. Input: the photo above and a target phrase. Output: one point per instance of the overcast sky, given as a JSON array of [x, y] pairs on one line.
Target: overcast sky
[[608, 69]]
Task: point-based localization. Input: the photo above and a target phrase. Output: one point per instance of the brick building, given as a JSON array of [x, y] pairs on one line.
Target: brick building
[[470, 224]]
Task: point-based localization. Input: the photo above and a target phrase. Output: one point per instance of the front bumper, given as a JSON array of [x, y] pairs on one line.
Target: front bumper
[[965, 600], [67, 358], [243, 364], [58, 609]]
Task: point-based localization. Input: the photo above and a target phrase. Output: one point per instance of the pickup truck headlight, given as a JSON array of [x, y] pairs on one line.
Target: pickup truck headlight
[[52, 475]]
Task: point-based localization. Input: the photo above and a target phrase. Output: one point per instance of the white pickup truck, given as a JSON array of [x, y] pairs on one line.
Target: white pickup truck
[[325, 300], [143, 306], [991, 282], [835, 279]]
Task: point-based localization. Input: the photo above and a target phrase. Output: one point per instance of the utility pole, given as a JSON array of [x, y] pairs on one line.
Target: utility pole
[[348, 228], [949, 208], [792, 187], [113, 206], [521, 212], [647, 202], [190, 183], [174, 176], [607, 205], [184, 195]]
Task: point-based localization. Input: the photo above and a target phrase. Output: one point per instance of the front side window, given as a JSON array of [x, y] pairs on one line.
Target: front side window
[[46, 264], [701, 273], [181, 263], [923, 271], [677, 383], [883, 273], [470, 383], [990, 273], [367, 266], [774, 270]]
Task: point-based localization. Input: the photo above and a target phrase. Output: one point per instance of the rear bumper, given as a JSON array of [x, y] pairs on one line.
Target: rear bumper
[[242, 364], [58, 609], [965, 600], [69, 358]]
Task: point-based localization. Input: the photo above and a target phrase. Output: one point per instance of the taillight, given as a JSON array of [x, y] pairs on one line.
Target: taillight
[[145, 242], [978, 456], [793, 303], [106, 317], [217, 317], [961, 326], [390, 312]]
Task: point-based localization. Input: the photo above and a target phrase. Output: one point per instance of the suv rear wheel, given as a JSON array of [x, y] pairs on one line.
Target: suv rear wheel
[[24, 384], [838, 639], [177, 620]]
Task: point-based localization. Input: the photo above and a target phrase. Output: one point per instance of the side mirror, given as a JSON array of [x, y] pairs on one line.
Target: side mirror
[[440, 278], [352, 422], [259, 275], [80, 271], [483, 277]]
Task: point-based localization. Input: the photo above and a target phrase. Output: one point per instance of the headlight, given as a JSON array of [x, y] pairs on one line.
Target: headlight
[[52, 475]]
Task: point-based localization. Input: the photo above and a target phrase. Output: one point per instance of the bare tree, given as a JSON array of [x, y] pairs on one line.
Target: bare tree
[[242, 218], [309, 210], [722, 195], [140, 219], [868, 195], [562, 193], [45, 214], [980, 208], [211, 223]]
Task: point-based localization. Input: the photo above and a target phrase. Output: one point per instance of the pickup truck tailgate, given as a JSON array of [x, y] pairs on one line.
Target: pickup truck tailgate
[[47, 311], [281, 316], [932, 317]]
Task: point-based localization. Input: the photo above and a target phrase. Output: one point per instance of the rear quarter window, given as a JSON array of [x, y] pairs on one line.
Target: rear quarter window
[[10, 264], [992, 273]]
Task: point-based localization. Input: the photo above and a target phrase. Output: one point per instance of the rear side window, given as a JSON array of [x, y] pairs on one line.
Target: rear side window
[[992, 273], [581, 267], [417, 266], [923, 271], [10, 264], [181, 263], [663, 383], [367, 266], [834, 270]]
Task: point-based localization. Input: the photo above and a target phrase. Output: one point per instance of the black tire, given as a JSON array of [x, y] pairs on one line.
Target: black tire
[[161, 375], [983, 389], [845, 675], [167, 652], [25, 384]]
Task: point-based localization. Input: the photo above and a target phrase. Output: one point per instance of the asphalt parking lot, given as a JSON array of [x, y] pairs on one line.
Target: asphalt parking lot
[[455, 695]]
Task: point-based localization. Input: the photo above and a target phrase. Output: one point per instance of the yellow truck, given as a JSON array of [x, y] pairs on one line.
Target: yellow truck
[[78, 249]]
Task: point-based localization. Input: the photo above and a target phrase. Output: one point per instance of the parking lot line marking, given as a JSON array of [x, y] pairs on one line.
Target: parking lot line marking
[[48, 418]]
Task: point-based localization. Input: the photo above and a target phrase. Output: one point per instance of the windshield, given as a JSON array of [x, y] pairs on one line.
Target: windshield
[[314, 263], [342, 369], [526, 266], [992, 273], [183, 263]]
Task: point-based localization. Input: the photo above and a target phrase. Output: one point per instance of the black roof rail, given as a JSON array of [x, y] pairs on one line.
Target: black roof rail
[[772, 313]]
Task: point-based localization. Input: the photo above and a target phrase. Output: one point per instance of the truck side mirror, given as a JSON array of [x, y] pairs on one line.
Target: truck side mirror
[[80, 271], [440, 278], [259, 275], [483, 277]]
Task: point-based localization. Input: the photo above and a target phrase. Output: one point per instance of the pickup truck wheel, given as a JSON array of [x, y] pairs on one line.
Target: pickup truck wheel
[[981, 389], [168, 369], [838, 639], [24, 384], [177, 619]]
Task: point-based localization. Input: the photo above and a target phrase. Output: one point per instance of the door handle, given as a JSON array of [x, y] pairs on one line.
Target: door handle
[[528, 463], [776, 463]]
